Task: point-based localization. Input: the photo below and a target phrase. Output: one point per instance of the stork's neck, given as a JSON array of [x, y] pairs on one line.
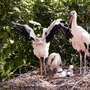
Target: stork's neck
[[74, 21]]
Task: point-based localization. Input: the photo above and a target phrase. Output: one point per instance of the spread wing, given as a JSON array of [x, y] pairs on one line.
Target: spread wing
[[56, 26], [66, 30], [24, 29]]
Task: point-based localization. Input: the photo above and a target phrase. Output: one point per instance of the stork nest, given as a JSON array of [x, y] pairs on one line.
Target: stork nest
[[33, 81]]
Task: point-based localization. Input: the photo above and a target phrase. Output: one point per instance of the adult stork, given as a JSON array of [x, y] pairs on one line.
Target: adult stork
[[80, 40], [40, 44]]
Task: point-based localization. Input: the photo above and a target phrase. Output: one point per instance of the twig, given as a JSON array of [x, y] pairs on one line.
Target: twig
[[64, 84], [76, 83]]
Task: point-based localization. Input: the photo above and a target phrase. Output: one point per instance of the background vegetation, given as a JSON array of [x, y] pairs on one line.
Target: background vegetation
[[16, 53]]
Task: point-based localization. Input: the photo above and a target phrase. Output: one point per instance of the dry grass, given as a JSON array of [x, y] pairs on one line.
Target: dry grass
[[33, 81]]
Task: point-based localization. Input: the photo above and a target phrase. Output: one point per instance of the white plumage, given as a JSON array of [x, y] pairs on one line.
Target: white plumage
[[65, 72], [40, 48], [80, 40], [54, 64], [54, 61], [70, 70]]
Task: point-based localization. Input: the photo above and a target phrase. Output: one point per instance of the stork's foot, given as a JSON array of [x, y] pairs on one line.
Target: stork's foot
[[81, 71], [40, 77], [40, 73], [85, 71]]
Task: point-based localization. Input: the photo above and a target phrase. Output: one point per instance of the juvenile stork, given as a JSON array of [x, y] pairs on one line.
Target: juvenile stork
[[54, 67], [54, 63], [40, 44], [80, 40]]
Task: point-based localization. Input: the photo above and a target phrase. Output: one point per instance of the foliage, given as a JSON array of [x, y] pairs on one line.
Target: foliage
[[16, 53]]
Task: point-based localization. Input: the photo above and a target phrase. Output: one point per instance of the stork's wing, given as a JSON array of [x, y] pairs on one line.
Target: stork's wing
[[66, 30], [24, 29], [49, 32], [56, 26]]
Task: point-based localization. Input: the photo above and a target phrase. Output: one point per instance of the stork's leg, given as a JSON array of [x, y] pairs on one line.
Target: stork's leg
[[41, 67], [85, 64], [45, 66], [82, 54], [80, 64]]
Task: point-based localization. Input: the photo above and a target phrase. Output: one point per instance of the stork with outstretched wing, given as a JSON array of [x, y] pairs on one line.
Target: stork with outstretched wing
[[41, 44]]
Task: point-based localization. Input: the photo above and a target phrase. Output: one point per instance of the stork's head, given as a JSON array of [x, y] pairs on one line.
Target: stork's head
[[44, 32], [73, 15], [39, 41]]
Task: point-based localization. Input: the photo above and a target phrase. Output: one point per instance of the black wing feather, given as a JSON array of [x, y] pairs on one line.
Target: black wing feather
[[66, 31], [54, 30], [61, 26], [22, 29]]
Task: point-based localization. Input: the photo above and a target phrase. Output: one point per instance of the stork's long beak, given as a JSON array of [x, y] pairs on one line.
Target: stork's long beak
[[70, 19]]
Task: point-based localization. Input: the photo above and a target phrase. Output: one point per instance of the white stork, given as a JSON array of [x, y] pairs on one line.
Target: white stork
[[80, 40], [55, 69], [40, 44], [54, 62]]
